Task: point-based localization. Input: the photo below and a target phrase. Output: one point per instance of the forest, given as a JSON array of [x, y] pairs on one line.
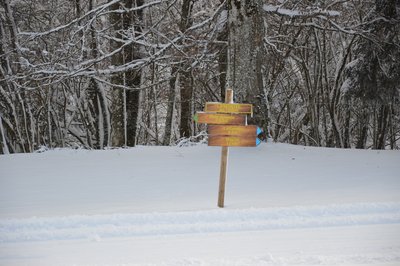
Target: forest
[[99, 74]]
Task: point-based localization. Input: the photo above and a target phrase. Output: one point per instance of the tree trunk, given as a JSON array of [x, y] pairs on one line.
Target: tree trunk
[[392, 127], [3, 141], [132, 113], [125, 106], [363, 126], [382, 127], [246, 57], [180, 74], [133, 77], [170, 107], [118, 101], [97, 99], [223, 61], [153, 98], [186, 89], [346, 136]]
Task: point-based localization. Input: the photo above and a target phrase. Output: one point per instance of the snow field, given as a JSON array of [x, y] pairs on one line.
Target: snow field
[[285, 205]]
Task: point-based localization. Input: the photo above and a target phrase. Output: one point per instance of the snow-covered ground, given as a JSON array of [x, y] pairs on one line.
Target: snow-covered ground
[[285, 205]]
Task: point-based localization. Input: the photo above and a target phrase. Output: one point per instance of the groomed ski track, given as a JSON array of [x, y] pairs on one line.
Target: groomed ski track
[[195, 222]]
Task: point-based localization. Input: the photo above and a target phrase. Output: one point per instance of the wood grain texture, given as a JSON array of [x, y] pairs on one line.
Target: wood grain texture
[[233, 141], [217, 130], [222, 176], [224, 158], [220, 119], [229, 108]]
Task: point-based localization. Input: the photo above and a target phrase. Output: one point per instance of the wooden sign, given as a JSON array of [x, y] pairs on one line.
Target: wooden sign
[[251, 130], [233, 141], [219, 119], [229, 108], [227, 127]]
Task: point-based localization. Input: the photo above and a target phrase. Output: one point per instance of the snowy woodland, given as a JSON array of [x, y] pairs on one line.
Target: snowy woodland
[[119, 73], [82, 81]]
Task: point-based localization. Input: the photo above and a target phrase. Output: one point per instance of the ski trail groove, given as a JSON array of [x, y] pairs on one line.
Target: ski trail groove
[[195, 222]]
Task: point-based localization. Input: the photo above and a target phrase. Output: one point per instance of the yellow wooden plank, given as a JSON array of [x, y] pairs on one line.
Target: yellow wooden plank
[[219, 119], [233, 141], [229, 108], [229, 130]]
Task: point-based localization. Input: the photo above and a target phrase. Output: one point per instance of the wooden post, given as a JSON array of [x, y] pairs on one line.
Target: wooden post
[[224, 160]]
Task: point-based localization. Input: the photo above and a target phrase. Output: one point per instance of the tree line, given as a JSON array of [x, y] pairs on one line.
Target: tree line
[[99, 74]]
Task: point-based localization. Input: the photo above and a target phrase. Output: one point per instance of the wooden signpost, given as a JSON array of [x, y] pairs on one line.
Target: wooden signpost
[[228, 128]]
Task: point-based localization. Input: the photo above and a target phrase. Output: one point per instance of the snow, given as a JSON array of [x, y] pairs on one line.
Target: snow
[[195, 222], [285, 205], [298, 13]]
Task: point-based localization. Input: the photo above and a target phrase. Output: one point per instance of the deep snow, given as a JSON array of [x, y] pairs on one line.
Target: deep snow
[[285, 205]]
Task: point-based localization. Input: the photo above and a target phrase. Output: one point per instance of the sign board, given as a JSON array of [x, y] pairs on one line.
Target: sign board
[[219, 119], [228, 130], [233, 141], [229, 108]]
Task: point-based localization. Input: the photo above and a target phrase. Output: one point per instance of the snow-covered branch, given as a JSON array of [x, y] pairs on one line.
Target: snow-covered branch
[[98, 11], [296, 13]]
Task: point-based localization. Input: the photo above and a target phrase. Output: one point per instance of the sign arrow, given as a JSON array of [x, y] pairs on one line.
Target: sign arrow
[[259, 131]]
